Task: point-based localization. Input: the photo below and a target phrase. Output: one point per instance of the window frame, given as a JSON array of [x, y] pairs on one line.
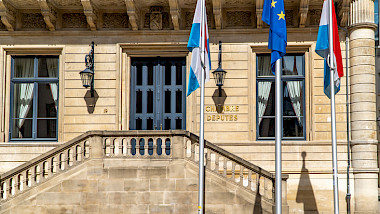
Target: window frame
[[283, 79], [35, 80]]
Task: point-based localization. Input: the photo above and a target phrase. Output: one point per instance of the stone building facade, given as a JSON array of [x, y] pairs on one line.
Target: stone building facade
[[141, 71]]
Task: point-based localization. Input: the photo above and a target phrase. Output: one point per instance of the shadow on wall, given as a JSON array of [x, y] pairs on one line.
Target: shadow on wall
[[91, 100], [257, 209], [305, 193]]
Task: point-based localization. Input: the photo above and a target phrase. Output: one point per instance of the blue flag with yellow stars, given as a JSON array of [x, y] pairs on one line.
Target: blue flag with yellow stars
[[274, 16]]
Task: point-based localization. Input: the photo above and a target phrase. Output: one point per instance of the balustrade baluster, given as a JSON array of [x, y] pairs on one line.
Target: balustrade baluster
[[249, 179], [20, 184], [7, 188], [129, 147], [208, 158], [163, 146], [121, 146], [41, 172], [33, 176], [266, 192], [216, 163], [192, 151], [137, 147], [12, 186], [241, 174], [112, 146], [50, 163], [146, 147], [224, 167], [74, 158], [233, 171]]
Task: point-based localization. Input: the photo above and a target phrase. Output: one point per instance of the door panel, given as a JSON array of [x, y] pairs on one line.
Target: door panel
[[158, 93]]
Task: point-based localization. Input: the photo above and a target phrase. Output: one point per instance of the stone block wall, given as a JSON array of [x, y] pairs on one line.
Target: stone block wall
[[135, 186]]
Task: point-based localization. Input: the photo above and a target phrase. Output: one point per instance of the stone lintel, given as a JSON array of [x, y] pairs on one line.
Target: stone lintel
[[217, 10], [90, 13], [132, 13], [175, 12], [304, 8], [47, 11], [7, 13], [259, 12]]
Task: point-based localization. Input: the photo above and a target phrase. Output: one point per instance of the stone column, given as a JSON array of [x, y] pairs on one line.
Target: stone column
[[363, 106]]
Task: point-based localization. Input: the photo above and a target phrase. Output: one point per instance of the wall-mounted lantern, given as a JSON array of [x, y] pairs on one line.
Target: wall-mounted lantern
[[219, 73], [87, 75]]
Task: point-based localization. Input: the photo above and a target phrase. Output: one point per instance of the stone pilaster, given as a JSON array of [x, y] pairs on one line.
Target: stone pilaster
[[363, 106]]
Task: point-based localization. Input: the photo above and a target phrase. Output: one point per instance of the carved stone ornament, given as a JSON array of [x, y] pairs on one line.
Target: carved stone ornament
[[289, 15], [33, 21], [314, 16], [155, 18], [189, 19], [115, 20], [74, 20], [239, 18]]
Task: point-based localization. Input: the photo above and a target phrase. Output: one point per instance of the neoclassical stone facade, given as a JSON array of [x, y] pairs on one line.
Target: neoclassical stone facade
[[131, 35]]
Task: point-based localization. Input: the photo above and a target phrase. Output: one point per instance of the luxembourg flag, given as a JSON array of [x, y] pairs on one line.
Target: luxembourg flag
[[322, 48], [194, 45]]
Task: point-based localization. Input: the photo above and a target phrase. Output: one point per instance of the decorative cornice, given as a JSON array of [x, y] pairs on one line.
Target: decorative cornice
[[259, 12], [217, 10], [132, 13], [175, 12], [7, 13], [304, 8], [48, 11], [90, 12]]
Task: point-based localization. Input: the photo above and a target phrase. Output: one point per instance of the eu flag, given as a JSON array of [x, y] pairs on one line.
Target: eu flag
[[274, 16]]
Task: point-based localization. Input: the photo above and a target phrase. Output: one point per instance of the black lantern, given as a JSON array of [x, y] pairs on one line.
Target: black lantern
[[219, 73], [87, 75]]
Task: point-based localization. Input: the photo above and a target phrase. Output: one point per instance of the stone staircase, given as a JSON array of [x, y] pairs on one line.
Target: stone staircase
[[136, 172]]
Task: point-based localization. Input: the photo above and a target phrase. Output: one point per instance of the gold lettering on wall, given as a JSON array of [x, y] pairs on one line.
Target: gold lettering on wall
[[222, 117]]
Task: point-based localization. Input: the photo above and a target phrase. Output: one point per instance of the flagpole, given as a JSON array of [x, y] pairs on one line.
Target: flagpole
[[278, 167], [333, 116], [201, 129]]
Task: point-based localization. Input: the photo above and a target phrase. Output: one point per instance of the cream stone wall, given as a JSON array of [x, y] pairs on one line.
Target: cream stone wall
[[309, 178]]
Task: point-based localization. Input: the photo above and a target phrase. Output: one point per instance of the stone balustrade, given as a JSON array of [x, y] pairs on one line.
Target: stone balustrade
[[137, 144]]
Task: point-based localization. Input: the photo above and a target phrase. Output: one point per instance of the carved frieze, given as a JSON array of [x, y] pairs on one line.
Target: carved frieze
[[166, 24], [314, 17], [74, 20], [49, 13], [115, 20], [32, 21], [289, 16], [188, 19], [2, 27], [239, 18], [7, 13], [155, 19]]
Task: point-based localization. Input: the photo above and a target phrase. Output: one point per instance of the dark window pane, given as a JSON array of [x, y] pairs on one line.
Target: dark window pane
[[168, 74], [23, 67], [138, 124], [167, 101], [293, 127], [23, 100], [138, 101], [167, 144], [150, 74], [292, 65], [149, 124], [139, 74], [266, 127], [167, 123], [150, 146], [265, 98], [264, 66], [178, 75], [178, 106], [48, 67], [46, 128], [178, 123], [149, 102], [22, 128], [292, 98], [47, 99]]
